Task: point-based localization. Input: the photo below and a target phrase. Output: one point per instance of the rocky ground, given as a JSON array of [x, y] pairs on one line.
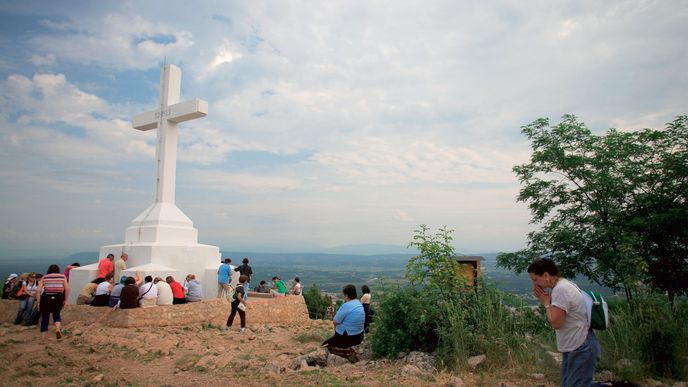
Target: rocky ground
[[207, 355]]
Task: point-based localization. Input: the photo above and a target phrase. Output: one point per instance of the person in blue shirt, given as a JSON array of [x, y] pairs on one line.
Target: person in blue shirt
[[348, 322], [224, 275]]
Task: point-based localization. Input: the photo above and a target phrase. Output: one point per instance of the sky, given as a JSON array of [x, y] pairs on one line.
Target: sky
[[330, 123]]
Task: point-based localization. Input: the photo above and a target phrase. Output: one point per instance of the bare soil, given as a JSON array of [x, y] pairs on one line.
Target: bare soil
[[205, 355]]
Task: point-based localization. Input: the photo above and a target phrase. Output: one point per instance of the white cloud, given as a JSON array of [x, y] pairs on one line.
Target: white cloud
[[45, 60], [114, 41], [224, 54]]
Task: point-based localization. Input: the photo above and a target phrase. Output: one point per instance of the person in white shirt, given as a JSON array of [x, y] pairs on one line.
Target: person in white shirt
[[164, 291], [148, 292], [567, 314], [296, 288], [103, 290]]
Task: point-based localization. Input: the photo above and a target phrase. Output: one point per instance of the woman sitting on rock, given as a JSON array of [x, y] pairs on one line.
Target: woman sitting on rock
[[348, 322], [129, 297], [365, 301], [28, 297], [278, 287], [102, 297], [116, 291], [88, 292]]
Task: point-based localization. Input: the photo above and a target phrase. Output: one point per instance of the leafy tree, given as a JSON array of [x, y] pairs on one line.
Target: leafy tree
[[316, 302], [612, 207], [433, 267]]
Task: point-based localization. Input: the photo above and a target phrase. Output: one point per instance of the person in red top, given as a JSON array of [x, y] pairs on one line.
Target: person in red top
[[106, 266], [178, 295]]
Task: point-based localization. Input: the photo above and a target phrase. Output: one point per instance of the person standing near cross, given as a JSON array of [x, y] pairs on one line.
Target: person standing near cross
[[120, 266]]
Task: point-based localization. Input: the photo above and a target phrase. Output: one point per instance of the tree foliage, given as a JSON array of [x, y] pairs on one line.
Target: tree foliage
[[611, 207], [316, 302], [434, 267]]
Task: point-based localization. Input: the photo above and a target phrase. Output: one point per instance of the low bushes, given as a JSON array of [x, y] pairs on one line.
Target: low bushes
[[467, 323], [646, 337]]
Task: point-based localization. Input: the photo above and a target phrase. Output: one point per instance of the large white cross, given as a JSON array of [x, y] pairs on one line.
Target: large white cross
[[165, 118]]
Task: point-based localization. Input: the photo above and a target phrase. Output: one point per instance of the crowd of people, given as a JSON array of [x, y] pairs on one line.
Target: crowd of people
[[43, 296]]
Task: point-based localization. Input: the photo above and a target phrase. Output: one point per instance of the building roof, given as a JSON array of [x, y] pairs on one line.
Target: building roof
[[468, 258]]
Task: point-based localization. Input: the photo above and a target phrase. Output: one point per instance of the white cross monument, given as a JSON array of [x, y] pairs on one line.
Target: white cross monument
[[162, 241]]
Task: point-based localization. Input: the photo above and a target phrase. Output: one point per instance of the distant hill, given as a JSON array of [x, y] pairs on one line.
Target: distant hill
[[330, 271]]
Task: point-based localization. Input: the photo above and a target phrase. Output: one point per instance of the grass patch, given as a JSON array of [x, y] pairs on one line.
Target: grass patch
[[209, 326], [150, 356], [315, 336], [246, 356]]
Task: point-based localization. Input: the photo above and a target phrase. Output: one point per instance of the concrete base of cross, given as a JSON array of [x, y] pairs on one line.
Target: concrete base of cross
[[157, 260], [160, 242]]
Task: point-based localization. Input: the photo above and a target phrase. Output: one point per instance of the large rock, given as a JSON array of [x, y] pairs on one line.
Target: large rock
[[424, 361], [475, 361], [336, 361], [412, 370], [318, 357]]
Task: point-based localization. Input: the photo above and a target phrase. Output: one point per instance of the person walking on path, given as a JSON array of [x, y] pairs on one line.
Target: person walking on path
[[567, 314], [53, 291], [224, 274], [238, 305], [121, 265]]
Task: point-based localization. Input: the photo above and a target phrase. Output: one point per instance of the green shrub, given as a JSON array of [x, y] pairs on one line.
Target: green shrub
[[469, 323], [405, 320], [316, 302], [650, 337], [489, 322]]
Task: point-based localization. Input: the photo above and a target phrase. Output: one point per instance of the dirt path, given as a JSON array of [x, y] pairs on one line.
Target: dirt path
[[197, 355]]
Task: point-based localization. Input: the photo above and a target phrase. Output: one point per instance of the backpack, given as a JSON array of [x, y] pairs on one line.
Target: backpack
[[598, 312]]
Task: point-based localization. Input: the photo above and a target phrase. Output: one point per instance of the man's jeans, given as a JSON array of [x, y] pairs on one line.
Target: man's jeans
[[578, 366]]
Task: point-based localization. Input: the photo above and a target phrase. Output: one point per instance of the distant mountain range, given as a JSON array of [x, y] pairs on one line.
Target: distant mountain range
[[357, 264]]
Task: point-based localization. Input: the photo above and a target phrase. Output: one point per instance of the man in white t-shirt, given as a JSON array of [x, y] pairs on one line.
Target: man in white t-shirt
[[148, 292], [164, 292], [568, 315]]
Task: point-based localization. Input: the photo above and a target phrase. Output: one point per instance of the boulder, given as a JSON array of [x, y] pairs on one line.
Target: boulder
[[336, 361], [318, 357], [412, 370], [475, 361], [424, 361]]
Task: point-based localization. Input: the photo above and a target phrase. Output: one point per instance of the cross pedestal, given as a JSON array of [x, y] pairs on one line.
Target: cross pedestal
[[162, 241]]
